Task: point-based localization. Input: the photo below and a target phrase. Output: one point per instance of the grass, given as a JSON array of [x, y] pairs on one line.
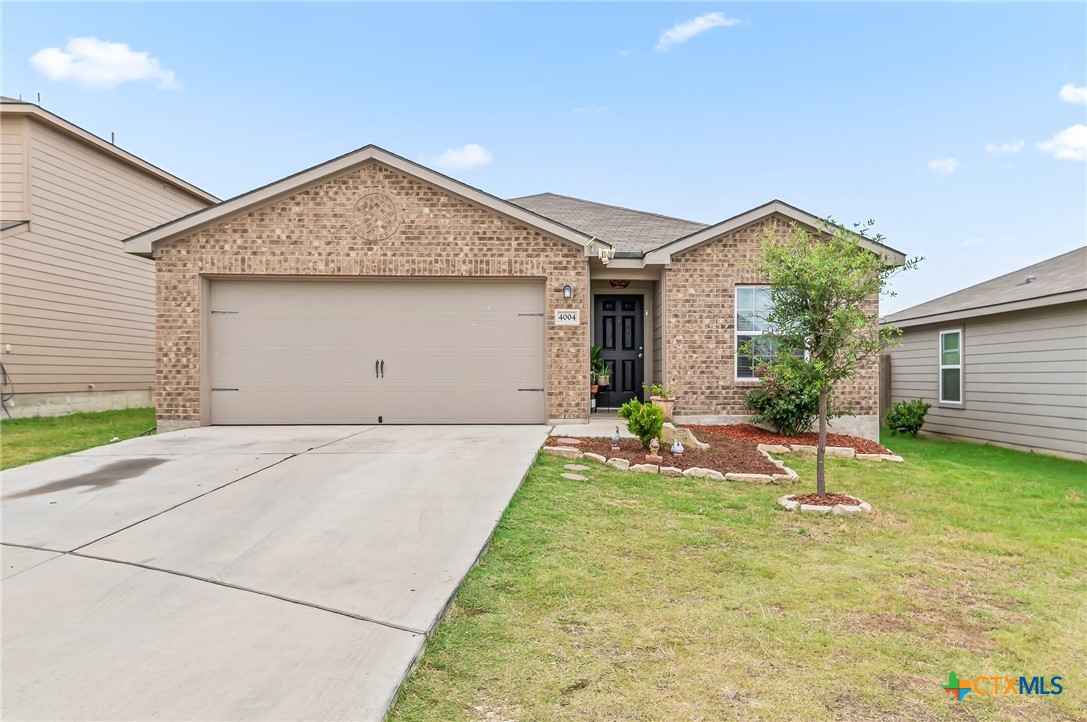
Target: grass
[[25, 440], [637, 597]]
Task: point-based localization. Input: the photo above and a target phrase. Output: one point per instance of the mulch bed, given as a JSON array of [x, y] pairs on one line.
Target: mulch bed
[[724, 455], [747, 432], [828, 499]]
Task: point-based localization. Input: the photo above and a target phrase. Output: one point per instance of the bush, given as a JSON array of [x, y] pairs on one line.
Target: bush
[[644, 420], [907, 416], [788, 399]]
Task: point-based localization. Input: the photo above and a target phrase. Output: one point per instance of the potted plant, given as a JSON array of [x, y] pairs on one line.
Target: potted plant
[[598, 369], [662, 397], [603, 374]]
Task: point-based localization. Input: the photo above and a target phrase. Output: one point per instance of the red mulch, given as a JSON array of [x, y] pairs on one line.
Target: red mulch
[[747, 432], [828, 499], [724, 455]]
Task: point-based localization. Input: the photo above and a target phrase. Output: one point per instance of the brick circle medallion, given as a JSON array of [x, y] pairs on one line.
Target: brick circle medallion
[[374, 216]]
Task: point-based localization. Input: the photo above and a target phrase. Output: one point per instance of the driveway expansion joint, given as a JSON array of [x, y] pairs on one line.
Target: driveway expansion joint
[[237, 587]]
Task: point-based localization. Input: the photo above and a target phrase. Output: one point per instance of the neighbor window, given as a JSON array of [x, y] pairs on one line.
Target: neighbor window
[[752, 305], [950, 367]]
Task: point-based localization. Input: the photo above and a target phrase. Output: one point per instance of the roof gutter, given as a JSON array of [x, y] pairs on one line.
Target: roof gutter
[[1025, 304]]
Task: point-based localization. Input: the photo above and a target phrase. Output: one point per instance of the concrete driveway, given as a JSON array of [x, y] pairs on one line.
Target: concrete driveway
[[243, 573]]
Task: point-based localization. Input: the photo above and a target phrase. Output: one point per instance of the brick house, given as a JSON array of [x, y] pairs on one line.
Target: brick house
[[370, 289]]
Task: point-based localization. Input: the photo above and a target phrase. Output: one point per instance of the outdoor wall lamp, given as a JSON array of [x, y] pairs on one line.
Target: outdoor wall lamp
[[567, 292]]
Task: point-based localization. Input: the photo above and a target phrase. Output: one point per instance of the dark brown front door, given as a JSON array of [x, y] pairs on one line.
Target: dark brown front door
[[619, 324]]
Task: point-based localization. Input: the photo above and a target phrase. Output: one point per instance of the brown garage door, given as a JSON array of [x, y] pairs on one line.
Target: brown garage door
[[398, 352]]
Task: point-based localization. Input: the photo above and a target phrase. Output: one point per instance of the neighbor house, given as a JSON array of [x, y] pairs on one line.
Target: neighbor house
[[371, 289], [77, 314], [1004, 361]]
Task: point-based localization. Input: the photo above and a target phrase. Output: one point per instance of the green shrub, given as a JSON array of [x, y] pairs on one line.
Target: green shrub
[[787, 399], [907, 416], [644, 420]]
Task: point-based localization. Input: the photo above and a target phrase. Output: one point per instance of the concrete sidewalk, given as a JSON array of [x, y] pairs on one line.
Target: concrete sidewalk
[[600, 426], [231, 573]]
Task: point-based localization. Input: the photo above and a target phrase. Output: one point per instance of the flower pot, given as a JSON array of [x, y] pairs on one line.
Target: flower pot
[[665, 406], [594, 388], [603, 380]]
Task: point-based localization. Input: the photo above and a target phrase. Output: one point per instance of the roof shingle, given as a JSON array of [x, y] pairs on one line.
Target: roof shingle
[[1065, 273], [627, 231]]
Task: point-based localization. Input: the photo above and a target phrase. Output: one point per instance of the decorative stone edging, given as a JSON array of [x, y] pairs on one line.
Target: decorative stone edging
[[786, 476], [844, 452], [790, 505]]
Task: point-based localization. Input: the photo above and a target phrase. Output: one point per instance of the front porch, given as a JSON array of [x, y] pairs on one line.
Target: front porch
[[626, 319]]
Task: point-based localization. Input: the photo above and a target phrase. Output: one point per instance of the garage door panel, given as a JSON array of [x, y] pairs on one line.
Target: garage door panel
[[304, 352], [262, 405]]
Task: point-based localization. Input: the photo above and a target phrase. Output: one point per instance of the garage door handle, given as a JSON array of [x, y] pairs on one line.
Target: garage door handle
[[382, 368]]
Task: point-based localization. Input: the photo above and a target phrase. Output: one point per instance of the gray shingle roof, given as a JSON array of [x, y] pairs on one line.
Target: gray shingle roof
[[627, 231], [1065, 273]]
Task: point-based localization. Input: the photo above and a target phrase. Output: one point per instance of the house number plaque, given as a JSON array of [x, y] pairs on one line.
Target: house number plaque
[[568, 317]]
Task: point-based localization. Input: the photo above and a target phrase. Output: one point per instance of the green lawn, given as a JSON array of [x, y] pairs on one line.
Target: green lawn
[[638, 597], [26, 440]]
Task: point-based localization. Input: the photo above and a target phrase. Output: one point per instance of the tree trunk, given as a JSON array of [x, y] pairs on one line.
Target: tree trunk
[[821, 450]]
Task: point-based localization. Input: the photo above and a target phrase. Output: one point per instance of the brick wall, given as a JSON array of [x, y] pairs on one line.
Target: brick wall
[[700, 334], [311, 234]]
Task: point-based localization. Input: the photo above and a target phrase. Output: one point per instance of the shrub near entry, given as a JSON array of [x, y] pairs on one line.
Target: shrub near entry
[[644, 420], [907, 416], [788, 399]]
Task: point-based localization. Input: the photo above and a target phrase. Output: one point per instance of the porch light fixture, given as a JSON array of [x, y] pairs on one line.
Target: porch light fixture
[[567, 292]]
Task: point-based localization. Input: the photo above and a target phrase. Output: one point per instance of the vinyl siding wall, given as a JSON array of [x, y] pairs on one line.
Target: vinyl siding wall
[[1024, 379], [78, 311], [13, 165]]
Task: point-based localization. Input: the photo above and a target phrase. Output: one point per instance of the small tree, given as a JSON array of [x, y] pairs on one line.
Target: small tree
[[821, 313]]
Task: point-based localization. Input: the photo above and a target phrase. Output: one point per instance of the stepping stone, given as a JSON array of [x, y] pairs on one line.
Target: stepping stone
[[563, 451], [574, 477], [576, 467], [594, 457], [568, 442]]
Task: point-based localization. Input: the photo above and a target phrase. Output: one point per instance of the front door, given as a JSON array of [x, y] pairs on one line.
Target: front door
[[618, 321]]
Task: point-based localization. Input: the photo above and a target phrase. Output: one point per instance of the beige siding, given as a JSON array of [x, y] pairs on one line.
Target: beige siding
[[78, 312], [13, 165], [1024, 379]]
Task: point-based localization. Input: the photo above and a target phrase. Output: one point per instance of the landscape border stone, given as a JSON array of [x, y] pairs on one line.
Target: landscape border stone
[[844, 452], [787, 475], [790, 504]]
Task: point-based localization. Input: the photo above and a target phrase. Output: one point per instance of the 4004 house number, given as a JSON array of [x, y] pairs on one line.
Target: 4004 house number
[[568, 317]]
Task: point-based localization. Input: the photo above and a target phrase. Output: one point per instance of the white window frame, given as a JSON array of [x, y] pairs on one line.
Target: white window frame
[[737, 332], [942, 367]]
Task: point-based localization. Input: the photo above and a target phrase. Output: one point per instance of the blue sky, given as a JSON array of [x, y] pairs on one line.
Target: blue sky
[[859, 111]]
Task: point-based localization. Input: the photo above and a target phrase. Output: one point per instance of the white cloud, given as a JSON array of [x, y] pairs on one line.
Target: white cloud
[[1005, 147], [585, 110], [1069, 144], [469, 156], [944, 166], [681, 33], [1072, 94], [100, 64]]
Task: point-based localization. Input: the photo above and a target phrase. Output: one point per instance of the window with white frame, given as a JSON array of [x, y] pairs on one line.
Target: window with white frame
[[951, 367], [752, 306]]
